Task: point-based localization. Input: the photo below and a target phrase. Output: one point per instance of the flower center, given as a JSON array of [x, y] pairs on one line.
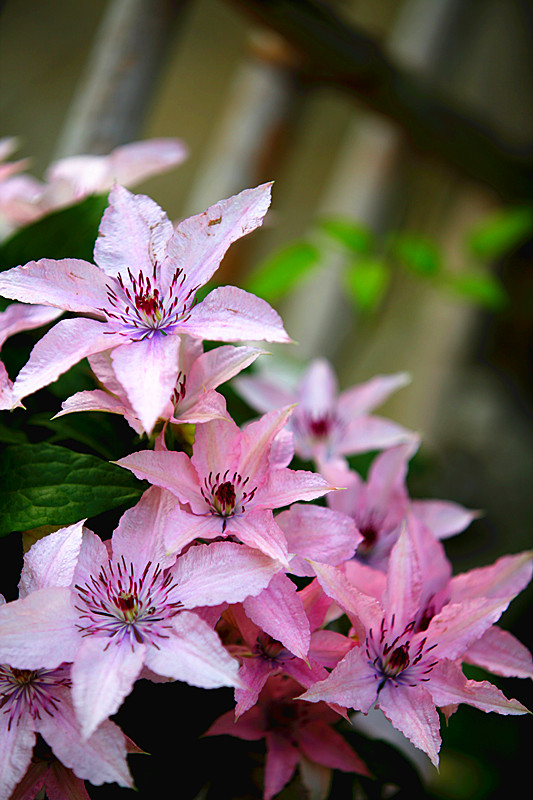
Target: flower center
[[402, 660], [24, 691], [267, 647], [225, 497], [125, 606]]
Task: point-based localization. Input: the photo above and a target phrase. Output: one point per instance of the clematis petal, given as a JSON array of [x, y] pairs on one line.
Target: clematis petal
[[140, 535], [194, 654], [218, 366], [103, 674], [207, 406], [256, 441], [449, 686], [352, 684], [500, 652], [319, 533], [505, 578], [170, 470], [281, 760], [21, 317], [263, 394], [443, 517], [285, 486], [216, 447], [411, 710], [148, 371], [52, 560], [366, 433], [369, 395], [16, 746], [326, 746], [258, 529], [278, 611], [233, 315]]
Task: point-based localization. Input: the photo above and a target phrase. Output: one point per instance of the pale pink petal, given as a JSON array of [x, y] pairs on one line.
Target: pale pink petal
[[64, 345], [133, 233], [193, 653], [39, 630], [505, 578], [323, 744], [386, 478], [372, 433], [182, 528], [7, 400], [443, 517], [352, 684], [498, 651], [253, 673], [95, 400], [52, 560], [148, 370], [285, 486], [200, 242], [140, 535], [318, 388], [70, 284], [319, 533], [22, 317], [263, 394], [404, 581], [458, 625], [282, 450], [210, 574], [99, 759], [103, 674], [218, 366], [366, 579], [170, 470], [207, 406], [256, 440], [449, 686], [412, 712], [278, 611], [367, 396], [258, 529], [16, 747], [329, 647], [281, 760], [356, 604], [216, 448], [232, 315], [102, 366]]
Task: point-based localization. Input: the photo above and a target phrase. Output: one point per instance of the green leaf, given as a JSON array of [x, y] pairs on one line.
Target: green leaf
[[416, 254], [482, 289], [355, 236], [501, 232], [276, 276], [366, 282], [69, 233], [43, 484]]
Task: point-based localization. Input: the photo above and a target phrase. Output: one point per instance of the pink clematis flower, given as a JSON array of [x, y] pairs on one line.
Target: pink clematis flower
[[16, 318], [113, 608], [140, 296], [38, 701], [295, 734], [194, 398], [328, 425], [25, 199], [405, 662], [231, 484]]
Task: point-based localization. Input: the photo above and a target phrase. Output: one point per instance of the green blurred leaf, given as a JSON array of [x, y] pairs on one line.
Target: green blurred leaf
[[276, 276], [11, 435], [68, 233], [366, 282], [353, 235], [416, 254], [483, 289], [43, 484], [500, 233]]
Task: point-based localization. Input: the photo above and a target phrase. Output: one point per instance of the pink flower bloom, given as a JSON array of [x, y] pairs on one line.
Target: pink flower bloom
[[112, 610], [16, 318], [38, 701], [295, 734], [24, 199], [231, 484], [405, 662], [194, 398], [328, 425], [140, 296], [380, 505]]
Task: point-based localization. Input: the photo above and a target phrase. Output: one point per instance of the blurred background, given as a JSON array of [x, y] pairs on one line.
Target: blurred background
[[399, 134]]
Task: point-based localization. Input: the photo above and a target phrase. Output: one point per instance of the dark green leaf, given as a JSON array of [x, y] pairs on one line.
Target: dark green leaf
[[416, 254], [501, 232], [482, 289], [69, 233], [43, 484], [276, 276], [366, 282], [355, 236]]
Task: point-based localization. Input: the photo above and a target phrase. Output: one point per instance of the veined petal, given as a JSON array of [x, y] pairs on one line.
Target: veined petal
[[458, 625], [103, 674], [170, 470], [182, 528], [449, 686], [21, 317], [70, 284], [95, 400], [140, 534], [352, 684], [505, 578], [231, 314], [207, 406], [216, 448], [256, 441], [500, 652], [64, 345], [319, 533], [194, 653], [200, 242], [281, 760], [404, 581], [412, 711], [148, 370], [285, 486], [52, 560], [278, 611], [218, 366], [16, 747], [259, 530]]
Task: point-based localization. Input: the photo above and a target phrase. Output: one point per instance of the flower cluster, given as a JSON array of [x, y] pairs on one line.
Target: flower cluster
[[227, 573]]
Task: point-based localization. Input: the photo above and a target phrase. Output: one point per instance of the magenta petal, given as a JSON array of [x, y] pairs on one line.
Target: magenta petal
[[281, 761], [102, 676], [505, 578], [254, 673], [193, 653], [232, 315], [64, 345], [251, 726], [412, 711], [352, 684], [148, 371], [278, 611], [323, 744]]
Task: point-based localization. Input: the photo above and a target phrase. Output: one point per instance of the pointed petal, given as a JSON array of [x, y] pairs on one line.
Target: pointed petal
[[200, 242], [103, 674], [148, 371], [286, 486], [21, 317], [140, 534], [258, 529], [210, 574], [449, 686], [64, 345], [498, 651], [358, 606], [218, 366], [319, 533], [443, 517], [208, 406], [182, 528], [70, 284], [230, 314], [278, 611], [505, 578], [95, 400], [318, 389], [323, 744], [256, 440], [170, 470], [263, 394], [16, 747], [216, 448], [372, 433], [367, 396], [404, 581], [412, 712], [458, 625], [352, 684], [254, 673], [52, 560], [281, 760], [251, 726], [193, 653]]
